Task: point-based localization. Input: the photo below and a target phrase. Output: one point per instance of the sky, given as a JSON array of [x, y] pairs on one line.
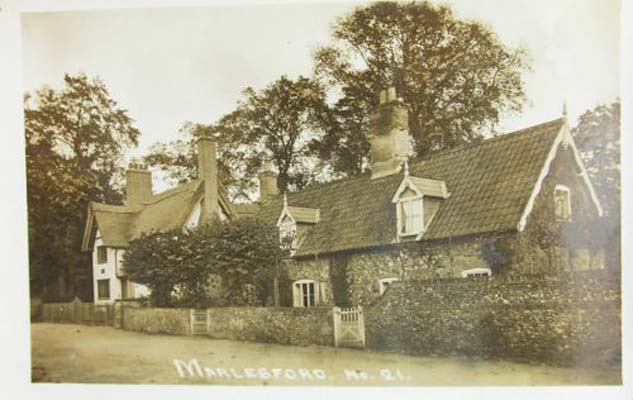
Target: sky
[[170, 65]]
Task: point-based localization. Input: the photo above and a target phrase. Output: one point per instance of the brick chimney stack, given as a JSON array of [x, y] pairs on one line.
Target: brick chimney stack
[[267, 183], [390, 141], [139, 184], [208, 173]]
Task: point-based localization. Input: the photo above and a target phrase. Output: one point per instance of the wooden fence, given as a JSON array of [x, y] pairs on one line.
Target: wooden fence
[[78, 312]]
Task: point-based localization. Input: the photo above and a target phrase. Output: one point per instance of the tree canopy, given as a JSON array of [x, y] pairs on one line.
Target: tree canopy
[[456, 76], [597, 136], [178, 265], [281, 123], [75, 138]]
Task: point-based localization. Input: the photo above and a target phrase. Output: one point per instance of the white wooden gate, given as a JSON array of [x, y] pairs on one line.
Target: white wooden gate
[[199, 322], [349, 327]]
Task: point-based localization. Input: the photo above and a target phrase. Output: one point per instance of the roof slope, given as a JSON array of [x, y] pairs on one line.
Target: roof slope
[[489, 184], [120, 224]]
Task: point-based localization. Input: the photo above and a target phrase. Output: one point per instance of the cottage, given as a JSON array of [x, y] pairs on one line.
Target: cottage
[[110, 228], [514, 204], [481, 209]]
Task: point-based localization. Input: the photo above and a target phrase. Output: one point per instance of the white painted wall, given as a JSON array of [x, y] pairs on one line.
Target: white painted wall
[[105, 271], [109, 270], [194, 216]]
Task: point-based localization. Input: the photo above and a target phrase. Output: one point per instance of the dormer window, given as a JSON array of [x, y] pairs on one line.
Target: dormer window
[[409, 201], [411, 213], [290, 219], [288, 234], [562, 203]]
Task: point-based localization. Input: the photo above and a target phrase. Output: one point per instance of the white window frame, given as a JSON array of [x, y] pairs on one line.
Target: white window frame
[[385, 282], [476, 272], [565, 189], [399, 202], [298, 294], [402, 223]]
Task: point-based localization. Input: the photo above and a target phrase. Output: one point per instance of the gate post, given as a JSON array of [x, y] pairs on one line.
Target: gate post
[[336, 317], [361, 325]]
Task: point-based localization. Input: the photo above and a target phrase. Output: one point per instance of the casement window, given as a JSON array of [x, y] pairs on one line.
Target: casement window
[[411, 220], [476, 273], [304, 293], [288, 234], [562, 203], [102, 255], [103, 289], [385, 282]]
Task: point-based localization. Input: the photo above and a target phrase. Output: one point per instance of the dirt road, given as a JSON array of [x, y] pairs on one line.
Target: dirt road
[[86, 354]]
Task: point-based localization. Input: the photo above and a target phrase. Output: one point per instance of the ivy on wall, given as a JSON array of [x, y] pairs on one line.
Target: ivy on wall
[[177, 265]]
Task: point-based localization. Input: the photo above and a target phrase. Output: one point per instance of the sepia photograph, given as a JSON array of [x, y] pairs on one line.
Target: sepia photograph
[[330, 194]]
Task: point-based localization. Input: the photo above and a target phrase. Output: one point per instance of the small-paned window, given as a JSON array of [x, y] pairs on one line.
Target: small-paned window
[[303, 293], [102, 255], [385, 282], [476, 273], [562, 203], [103, 289], [411, 217], [288, 234]]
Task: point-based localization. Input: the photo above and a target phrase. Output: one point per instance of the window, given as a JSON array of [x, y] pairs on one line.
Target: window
[[562, 203], [102, 255], [103, 289], [127, 289], [411, 217], [288, 234], [303, 293], [384, 284], [476, 273]]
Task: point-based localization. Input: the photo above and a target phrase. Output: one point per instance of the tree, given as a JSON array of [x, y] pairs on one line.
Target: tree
[[246, 252], [153, 260], [178, 159], [597, 136], [456, 76], [75, 138], [177, 265], [282, 124]]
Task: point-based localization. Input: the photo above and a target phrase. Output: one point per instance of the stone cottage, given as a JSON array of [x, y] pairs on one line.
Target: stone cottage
[[519, 203]]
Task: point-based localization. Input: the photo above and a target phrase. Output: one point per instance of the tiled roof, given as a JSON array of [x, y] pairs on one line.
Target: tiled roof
[[489, 184]]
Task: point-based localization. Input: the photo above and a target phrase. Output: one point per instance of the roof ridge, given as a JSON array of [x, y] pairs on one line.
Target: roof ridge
[[171, 192], [329, 183], [420, 160], [503, 136]]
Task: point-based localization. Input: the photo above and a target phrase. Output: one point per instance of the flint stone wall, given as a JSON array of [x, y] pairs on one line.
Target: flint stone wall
[[567, 320]]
